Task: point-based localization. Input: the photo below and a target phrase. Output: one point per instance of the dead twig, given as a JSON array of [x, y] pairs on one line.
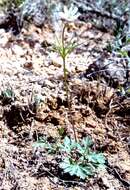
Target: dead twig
[[46, 170], [110, 108]]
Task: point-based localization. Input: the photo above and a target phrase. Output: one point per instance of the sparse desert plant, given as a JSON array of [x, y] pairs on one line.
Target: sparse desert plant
[[79, 159], [63, 48]]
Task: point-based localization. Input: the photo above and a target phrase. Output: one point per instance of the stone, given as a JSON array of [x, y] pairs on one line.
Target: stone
[[18, 50], [35, 11], [113, 71], [4, 38]]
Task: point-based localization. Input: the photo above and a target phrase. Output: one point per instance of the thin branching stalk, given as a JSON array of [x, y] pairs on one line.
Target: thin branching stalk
[[64, 50], [65, 78], [64, 62]]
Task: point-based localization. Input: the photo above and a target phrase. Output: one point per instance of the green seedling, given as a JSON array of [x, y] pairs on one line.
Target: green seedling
[[79, 159]]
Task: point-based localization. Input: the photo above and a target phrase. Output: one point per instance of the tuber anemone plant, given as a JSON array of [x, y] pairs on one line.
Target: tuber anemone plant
[[64, 48]]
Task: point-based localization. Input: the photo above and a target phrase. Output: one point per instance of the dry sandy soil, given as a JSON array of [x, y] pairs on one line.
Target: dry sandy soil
[[29, 68]]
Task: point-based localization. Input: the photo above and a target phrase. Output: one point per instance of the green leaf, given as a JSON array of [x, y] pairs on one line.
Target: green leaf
[[68, 145], [42, 143], [67, 141], [87, 142], [80, 172], [73, 169], [80, 149], [96, 158], [123, 53], [65, 164], [127, 39], [39, 144], [62, 131], [89, 171], [8, 93], [81, 160]]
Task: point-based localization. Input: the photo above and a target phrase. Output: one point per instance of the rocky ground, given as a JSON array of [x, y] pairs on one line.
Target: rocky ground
[[30, 69]]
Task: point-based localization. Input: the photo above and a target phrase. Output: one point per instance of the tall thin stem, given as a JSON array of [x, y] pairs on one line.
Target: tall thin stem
[[65, 79], [64, 62]]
